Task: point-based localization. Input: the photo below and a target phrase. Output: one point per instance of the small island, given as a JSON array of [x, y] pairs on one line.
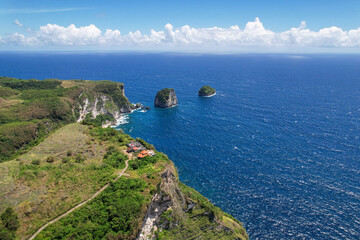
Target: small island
[[207, 91], [166, 98]]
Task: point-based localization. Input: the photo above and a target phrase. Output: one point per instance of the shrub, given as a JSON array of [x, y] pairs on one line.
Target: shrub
[[135, 165], [10, 219], [6, 234], [121, 139], [6, 92], [98, 121], [114, 158], [66, 160], [50, 159], [150, 176], [79, 158], [69, 153], [35, 162], [141, 163]]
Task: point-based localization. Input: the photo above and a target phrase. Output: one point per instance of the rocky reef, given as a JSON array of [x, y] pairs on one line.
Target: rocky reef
[[166, 98], [206, 91]]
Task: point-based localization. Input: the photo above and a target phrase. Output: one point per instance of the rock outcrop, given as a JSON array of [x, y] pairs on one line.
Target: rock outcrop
[[207, 91], [166, 98]]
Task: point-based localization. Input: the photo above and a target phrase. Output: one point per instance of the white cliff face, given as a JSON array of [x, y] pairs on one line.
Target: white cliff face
[[83, 110], [153, 213], [169, 197], [101, 104]]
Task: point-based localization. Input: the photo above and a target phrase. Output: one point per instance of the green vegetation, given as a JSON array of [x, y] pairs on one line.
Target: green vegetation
[[201, 222], [143, 162], [35, 162], [98, 121], [50, 159], [112, 135], [206, 91], [115, 91], [9, 224], [39, 192], [19, 84], [114, 158], [7, 92], [145, 144], [114, 214], [35, 108], [164, 95]]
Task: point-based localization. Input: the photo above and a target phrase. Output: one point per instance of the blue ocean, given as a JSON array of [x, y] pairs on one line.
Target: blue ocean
[[278, 147]]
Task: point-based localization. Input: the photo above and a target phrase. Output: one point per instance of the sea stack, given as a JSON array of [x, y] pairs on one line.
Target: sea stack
[[207, 91], [166, 98]]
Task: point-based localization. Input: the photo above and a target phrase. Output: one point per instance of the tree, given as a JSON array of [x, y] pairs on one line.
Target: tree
[[10, 219]]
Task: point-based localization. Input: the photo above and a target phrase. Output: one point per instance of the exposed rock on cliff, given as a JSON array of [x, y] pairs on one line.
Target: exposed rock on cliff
[[179, 212], [102, 98], [166, 98], [206, 91]]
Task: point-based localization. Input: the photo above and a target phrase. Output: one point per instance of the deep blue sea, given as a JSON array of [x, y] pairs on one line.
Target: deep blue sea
[[278, 147]]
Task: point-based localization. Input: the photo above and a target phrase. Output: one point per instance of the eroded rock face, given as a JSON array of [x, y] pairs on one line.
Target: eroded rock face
[[99, 103], [173, 207], [166, 98], [169, 197]]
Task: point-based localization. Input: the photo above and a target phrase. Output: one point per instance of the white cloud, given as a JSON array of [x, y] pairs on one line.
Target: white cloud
[[253, 36], [35, 11], [17, 22]]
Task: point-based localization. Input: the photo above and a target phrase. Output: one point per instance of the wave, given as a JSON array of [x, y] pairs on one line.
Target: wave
[[124, 119]]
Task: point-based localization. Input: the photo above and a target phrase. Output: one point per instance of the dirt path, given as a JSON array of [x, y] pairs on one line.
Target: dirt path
[[83, 203]]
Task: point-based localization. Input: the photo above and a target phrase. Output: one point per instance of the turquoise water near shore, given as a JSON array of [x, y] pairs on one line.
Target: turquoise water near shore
[[278, 146]]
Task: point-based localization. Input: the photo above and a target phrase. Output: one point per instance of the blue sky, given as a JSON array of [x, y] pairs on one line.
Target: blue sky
[[125, 16]]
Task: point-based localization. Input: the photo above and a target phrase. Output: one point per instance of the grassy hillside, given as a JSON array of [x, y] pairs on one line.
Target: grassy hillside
[[84, 158], [66, 168], [30, 109], [132, 197]]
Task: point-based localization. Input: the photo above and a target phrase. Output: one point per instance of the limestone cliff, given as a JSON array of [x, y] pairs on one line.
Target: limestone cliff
[[166, 98], [103, 97], [179, 212]]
